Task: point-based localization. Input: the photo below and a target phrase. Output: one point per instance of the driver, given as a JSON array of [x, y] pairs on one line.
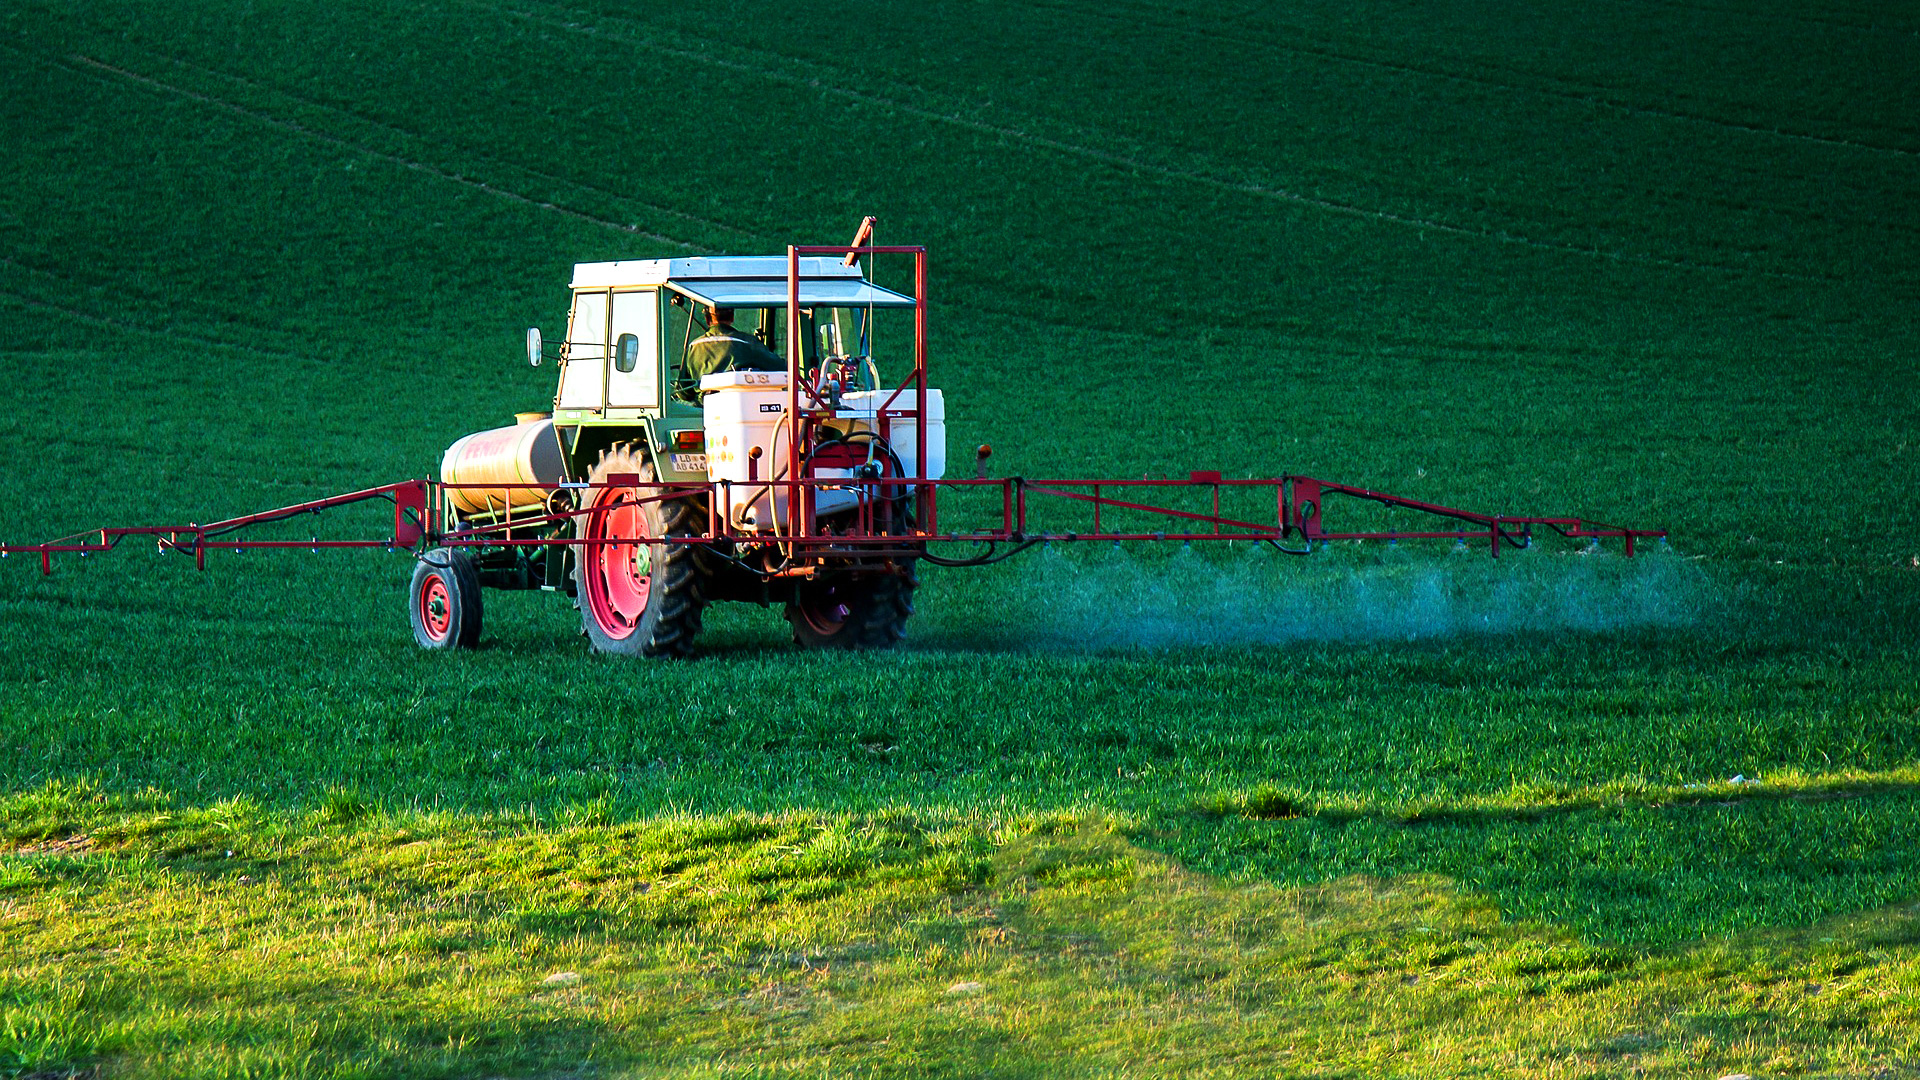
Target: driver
[[723, 348]]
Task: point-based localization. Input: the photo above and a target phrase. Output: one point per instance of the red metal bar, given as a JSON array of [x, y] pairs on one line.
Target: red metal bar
[[1043, 488], [793, 392], [928, 512], [410, 494], [1298, 501], [863, 249]]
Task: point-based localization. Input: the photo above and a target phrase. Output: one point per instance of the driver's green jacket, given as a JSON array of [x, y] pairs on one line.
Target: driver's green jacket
[[723, 348]]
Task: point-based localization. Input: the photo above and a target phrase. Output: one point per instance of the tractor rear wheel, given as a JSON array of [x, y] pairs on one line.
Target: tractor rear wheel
[[638, 597], [444, 600], [846, 612]]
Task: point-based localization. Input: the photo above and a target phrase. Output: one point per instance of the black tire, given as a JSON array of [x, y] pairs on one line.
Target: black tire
[[636, 598], [847, 612], [443, 603]]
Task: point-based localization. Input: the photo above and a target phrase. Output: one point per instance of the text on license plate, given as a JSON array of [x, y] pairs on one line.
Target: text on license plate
[[689, 463]]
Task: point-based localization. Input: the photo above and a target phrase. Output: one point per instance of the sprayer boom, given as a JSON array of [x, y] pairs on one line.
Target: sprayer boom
[[689, 460], [1019, 513]]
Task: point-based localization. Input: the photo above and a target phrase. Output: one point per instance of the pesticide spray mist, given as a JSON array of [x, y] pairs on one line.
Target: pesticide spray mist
[[1101, 598]]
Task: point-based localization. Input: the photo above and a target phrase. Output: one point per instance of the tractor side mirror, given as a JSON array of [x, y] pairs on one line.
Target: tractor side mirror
[[533, 346]]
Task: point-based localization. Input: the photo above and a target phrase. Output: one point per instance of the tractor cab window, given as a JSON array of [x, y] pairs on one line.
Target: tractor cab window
[[687, 322], [765, 325], [825, 332], [611, 355], [682, 327], [840, 332], [633, 381], [583, 358]]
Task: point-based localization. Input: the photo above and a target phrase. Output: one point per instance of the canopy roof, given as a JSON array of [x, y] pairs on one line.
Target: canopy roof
[[744, 281], [734, 293]]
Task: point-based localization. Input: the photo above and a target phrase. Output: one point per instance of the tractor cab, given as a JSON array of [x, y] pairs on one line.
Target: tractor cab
[[623, 361], [673, 473]]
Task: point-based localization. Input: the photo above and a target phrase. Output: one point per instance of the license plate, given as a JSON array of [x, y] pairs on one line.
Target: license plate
[[690, 463]]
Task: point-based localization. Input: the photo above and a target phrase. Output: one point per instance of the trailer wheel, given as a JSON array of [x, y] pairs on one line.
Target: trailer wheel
[[637, 598], [844, 612], [444, 600]]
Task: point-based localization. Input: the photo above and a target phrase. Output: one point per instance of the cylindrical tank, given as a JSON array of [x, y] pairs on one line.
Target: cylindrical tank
[[526, 453]]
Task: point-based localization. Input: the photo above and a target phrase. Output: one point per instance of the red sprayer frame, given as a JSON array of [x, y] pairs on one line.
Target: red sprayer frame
[[799, 501], [409, 499], [1298, 502]]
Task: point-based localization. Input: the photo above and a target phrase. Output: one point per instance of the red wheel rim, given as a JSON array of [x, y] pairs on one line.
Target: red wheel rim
[[436, 608], [824, 608], [619, 564]]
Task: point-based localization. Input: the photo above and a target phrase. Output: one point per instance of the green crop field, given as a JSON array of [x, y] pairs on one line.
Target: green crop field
[[1152, 811]]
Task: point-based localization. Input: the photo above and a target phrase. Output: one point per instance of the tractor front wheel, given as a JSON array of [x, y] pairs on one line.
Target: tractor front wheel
[[845, 612], [638, 596], [444, 600]]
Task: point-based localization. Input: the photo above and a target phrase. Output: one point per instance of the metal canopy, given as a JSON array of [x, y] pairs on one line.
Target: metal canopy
[[765, 293]]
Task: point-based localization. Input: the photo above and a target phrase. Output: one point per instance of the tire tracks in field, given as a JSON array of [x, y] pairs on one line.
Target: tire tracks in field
[[122, 292], [109, 74], [257, 87], [985, 297], [1743, 207], [136, 328], [1084, 136], [1585, 93], [1777, 16], [1611, 97], [1126, 163], [397, 159]]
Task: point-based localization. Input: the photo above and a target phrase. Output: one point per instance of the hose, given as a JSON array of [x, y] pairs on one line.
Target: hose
[[986, 559]]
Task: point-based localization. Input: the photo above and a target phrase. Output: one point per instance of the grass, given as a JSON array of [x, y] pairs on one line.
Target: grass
[[1404, 810], [892, 943]]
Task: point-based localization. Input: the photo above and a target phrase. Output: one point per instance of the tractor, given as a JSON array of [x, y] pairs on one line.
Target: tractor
[[666, 492]]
